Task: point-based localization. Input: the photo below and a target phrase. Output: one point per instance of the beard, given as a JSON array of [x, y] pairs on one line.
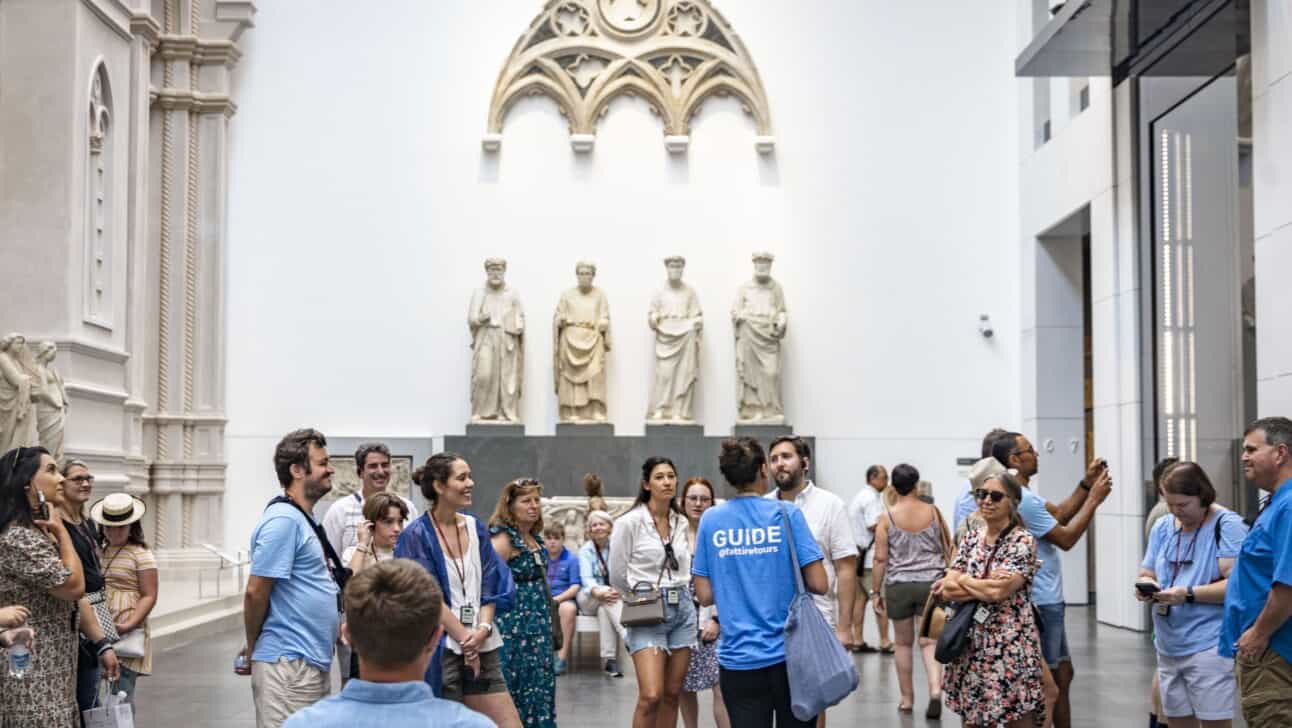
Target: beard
[[788, 480], [316, 489]]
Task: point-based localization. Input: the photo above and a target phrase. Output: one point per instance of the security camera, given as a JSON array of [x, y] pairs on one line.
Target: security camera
[[984, 326]]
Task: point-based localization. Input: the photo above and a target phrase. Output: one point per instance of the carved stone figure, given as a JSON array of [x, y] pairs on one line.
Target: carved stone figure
[[17, 414], [497, 325], [759, 319], [677, 321], [582, 339], [50, 397]]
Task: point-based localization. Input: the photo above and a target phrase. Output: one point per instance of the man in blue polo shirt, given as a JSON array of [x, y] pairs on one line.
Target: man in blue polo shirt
[[1258, 604]]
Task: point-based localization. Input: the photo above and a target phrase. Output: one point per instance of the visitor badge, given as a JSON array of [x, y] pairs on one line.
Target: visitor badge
[[981, 613], [467, 615], [674, 597]]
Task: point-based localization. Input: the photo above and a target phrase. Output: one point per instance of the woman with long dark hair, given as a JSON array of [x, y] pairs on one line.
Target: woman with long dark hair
[[454, 546], [527, 659], [649, 548], [39, 570]]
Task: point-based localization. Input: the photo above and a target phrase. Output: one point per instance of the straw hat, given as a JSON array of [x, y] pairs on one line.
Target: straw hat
[[117, 509]]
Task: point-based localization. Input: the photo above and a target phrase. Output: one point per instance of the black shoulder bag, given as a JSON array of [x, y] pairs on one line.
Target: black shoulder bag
[[340, 574]]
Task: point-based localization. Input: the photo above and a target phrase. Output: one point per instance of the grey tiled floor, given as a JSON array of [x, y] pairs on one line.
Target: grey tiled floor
[[194, 686]]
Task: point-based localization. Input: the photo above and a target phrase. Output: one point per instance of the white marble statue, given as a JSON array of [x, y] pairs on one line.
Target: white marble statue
[[581, 327], [50, 397], [497, 324], [677, 321], [17, 413], [759, 319]]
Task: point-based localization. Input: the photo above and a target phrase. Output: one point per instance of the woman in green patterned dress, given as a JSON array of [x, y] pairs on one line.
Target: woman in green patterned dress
[[526, 630]]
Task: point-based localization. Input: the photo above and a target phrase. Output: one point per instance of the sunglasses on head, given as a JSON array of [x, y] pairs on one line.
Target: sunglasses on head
[[983, 494], [670, 559]]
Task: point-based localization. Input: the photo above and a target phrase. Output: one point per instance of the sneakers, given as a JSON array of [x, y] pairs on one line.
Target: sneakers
[[612, 668], [560, 666]]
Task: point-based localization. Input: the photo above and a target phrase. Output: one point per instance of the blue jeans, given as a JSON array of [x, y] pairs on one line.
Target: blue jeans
[[126, 684], [87, 683], [676, 632], [1054, 638]]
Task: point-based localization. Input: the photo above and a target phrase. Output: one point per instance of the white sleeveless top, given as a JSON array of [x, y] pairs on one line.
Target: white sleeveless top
[[468, 593]]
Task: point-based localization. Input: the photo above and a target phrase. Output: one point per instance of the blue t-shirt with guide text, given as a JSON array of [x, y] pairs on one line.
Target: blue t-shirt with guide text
[[1191, 559], [743, 549], [1047, 586]]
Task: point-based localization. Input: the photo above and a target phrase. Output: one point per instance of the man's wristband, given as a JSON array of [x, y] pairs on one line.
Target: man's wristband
[[102, 646], [1084, 485]]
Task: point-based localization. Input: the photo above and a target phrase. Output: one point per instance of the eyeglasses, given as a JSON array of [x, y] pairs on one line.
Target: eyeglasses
[[88, 479], [983, 494], [1028, 451], [698, 499]]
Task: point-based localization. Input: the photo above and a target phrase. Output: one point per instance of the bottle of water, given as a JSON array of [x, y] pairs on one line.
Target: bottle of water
[[18, 656]]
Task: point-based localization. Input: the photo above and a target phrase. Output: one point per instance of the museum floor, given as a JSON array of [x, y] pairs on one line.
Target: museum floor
[[194, 686]]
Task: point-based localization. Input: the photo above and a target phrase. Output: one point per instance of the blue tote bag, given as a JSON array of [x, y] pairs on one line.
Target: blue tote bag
[[820, 670]]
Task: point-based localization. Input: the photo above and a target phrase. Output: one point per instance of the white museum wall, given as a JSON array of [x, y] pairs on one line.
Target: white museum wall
[[361, 208]]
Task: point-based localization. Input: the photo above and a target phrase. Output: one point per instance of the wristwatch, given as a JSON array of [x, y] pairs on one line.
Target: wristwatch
[[486, 626], [1188, 595]]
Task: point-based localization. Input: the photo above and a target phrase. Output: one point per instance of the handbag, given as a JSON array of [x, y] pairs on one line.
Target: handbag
[[955, 637], [131, 644], [558, 636], [821, 672], [643, 606], [99, 603], [934, 617]]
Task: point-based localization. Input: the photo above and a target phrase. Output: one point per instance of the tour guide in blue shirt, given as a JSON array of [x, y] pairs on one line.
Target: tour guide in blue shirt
[[1258, 604], [742, 564], [393, 622]]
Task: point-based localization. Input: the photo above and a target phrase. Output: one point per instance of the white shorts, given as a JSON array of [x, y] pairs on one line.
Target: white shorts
[[1201, 684]]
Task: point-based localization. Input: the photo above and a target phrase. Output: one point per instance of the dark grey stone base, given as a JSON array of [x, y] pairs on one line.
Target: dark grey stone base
[[479, 430], [561, 461], [592, 429], [764, 433]]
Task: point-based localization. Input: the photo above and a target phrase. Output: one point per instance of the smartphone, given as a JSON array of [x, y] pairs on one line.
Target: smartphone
[[41, 512], [1147, 589]]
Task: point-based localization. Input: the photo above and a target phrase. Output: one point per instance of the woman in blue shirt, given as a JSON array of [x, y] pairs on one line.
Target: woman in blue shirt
[[1184, 574], [742, 565]]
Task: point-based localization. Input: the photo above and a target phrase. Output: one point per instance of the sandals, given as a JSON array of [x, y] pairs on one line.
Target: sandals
[[887, 649], [934, 711], [864, 649]]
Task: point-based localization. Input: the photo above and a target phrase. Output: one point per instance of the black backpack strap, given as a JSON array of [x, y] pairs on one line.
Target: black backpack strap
[[339, 571]]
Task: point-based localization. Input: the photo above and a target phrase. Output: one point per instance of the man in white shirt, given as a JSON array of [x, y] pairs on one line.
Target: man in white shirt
[[344, 518], [864, 512], [827, 517]]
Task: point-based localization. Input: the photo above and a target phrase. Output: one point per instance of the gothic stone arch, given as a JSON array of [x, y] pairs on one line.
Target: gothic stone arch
[[675, 54]]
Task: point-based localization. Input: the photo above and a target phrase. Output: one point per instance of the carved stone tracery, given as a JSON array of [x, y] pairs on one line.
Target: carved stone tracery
[[674, 54]]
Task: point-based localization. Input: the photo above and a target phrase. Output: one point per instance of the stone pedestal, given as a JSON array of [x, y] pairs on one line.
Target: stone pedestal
[[579, 429], [482, 429], [764, 433], [673, 430]]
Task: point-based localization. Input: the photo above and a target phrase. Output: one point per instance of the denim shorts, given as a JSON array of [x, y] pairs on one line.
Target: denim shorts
[[1054, 638], [676, 632]]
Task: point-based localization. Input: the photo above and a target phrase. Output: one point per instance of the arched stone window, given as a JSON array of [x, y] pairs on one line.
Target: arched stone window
[[99, 203]]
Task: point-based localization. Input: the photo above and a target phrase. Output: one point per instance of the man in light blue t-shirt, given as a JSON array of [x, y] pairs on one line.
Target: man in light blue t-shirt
[[742, 564], [1054, 526], [393, 611], [292, 604]]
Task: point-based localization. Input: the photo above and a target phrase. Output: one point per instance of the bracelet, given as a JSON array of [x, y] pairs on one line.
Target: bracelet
[[102, 646], [1083, 485]]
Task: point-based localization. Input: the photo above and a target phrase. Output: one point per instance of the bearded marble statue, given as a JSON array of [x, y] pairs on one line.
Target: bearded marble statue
[[581, 327], [50, 398], [17, 413], [759, 319], [497, 325], [677, 321]]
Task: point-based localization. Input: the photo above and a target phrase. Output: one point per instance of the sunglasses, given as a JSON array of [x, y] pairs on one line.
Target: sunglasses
[[82, 479], [983, 494], [670, 559]]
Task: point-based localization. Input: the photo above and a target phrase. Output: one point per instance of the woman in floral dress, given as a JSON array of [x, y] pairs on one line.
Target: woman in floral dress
[[527, 659], [997, 681], [39, 570]]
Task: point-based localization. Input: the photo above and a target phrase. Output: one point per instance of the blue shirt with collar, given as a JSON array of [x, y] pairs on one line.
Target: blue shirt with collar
[[389, 705], [563, 572], [965, 505], [1265, 560]]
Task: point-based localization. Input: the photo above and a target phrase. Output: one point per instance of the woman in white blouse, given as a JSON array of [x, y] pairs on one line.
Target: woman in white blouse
[[649, 548]]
